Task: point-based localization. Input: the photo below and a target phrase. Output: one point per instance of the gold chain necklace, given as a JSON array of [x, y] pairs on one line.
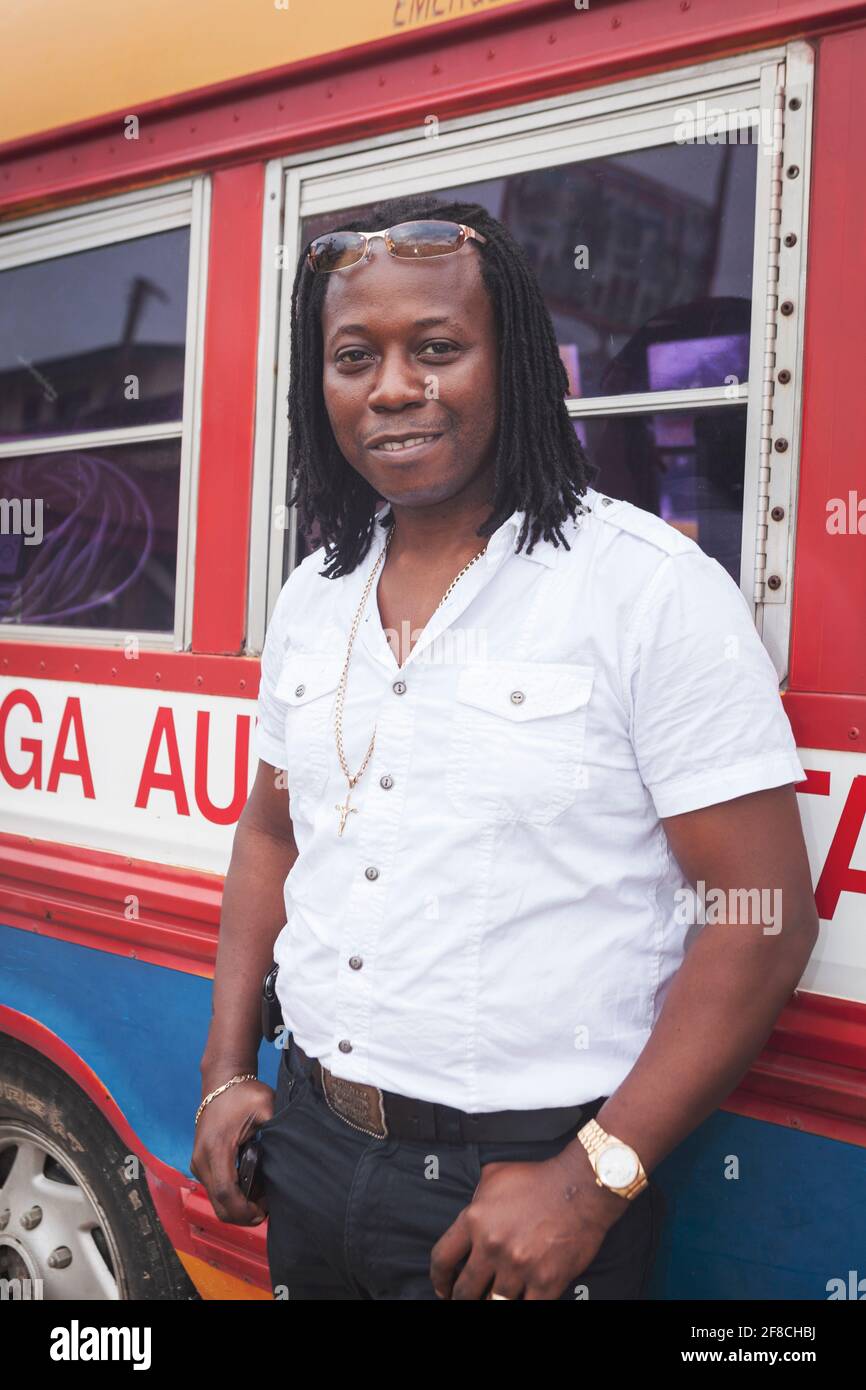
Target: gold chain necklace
[[345, 809]]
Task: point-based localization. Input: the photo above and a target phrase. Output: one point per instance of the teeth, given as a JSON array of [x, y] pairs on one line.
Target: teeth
[[393, 445]]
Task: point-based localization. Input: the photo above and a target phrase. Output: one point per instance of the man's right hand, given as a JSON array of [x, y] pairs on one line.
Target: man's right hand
[[223, 1125]]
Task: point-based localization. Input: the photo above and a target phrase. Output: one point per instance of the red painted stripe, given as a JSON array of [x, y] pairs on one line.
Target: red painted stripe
[[827, 721], [228, 410], [193, 672], [80, 895], [540, 48]]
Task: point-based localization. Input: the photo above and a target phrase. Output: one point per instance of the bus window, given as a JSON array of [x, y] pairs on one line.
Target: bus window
[[92, 369]]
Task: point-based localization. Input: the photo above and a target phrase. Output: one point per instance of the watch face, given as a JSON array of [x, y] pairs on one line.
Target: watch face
[[617, 1166]]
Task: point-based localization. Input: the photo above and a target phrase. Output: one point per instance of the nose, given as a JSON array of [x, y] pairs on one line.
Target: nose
[[399, 380]]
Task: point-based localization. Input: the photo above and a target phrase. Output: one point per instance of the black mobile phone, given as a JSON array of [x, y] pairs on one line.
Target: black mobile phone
[[272, 1018], [250, 1169]]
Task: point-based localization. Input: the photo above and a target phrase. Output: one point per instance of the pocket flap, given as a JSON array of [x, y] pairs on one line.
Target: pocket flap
[[525, 689], [306, 676]]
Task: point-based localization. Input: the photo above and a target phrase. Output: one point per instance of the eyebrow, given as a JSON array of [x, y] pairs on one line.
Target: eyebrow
[[434, 322]]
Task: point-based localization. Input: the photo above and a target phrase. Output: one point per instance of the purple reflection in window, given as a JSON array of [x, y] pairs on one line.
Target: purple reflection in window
[[689, 363]]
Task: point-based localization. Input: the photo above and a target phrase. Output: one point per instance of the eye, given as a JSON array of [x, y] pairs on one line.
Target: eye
[[351, 356], [439, 347]]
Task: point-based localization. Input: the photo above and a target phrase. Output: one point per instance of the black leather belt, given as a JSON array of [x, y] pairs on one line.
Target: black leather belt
[[382, 1114]]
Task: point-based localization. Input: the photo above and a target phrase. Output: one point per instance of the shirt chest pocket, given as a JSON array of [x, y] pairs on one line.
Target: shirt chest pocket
[[307, 688], [517, 740]]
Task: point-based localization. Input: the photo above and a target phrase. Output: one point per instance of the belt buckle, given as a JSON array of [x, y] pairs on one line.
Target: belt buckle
[[356, 1102]]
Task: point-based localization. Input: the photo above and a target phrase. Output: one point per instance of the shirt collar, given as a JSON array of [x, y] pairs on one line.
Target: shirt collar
[[505, 538]]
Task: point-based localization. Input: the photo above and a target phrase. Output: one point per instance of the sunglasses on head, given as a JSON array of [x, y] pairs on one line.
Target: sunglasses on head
[[408, 241]]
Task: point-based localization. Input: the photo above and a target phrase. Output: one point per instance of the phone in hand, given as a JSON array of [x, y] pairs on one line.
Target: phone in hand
[[250, 1169]]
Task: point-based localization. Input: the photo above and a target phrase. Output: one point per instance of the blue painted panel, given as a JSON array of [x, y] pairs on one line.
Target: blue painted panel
[[791, 1221], [142, 1028]]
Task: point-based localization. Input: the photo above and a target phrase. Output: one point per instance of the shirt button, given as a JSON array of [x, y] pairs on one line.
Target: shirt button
[[299, 690], [399, 687], [517, 697], [344, 1045], [371, 872], [387, 782], [355, 962]]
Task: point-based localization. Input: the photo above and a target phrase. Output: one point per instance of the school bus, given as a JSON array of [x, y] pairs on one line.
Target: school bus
[[685, 180]]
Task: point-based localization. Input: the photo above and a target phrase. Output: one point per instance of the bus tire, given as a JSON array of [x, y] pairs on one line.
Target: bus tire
[[104, 1241]]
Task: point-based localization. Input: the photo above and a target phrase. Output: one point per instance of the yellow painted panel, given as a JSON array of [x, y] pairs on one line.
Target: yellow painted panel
[[67, 62], [215, 1284]]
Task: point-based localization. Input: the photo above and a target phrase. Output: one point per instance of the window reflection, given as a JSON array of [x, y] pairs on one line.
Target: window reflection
[[685, 466], [619, 241], [94, 340], [90, 539], [645, 263]]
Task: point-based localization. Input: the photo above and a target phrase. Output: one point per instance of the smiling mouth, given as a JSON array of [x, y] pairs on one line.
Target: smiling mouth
[[399, 446]]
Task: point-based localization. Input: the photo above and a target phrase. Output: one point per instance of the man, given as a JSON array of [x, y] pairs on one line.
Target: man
[[503, 726]]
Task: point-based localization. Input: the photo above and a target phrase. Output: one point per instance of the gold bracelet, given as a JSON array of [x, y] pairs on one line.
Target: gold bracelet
[[250, 1076]]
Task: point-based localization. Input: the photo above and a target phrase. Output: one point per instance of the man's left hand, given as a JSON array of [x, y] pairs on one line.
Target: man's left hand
[[529, 1229]]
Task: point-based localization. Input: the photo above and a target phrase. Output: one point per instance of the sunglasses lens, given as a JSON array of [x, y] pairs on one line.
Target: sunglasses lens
[[411, 239], [336, 250]]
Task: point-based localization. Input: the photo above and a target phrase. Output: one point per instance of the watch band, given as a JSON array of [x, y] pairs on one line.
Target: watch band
[[594, 1139]]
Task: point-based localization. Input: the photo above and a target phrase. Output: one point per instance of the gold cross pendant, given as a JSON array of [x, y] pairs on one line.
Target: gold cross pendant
[[345, 811]]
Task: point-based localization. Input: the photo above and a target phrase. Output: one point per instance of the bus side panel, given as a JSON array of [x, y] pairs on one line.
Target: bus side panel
[[130, 1035], [759, 1211]]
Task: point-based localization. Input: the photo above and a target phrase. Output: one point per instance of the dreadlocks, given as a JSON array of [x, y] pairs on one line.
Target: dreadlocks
[[540, 466]]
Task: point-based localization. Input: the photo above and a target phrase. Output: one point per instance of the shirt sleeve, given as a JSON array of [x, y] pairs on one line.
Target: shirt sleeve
[[269, 738], [707, 719]]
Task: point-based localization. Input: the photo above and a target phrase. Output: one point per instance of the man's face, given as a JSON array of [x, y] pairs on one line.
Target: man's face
[[411, 353]]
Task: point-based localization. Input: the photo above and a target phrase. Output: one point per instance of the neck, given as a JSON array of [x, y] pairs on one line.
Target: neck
[[446, 532]]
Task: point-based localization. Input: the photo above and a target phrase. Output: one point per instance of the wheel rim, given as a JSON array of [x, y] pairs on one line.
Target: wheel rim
[[52, 1226]]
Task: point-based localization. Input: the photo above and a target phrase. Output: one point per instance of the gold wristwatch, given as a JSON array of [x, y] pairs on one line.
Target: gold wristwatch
[[615, 1164]]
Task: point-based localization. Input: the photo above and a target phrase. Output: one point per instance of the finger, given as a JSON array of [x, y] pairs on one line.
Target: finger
[[223, 1187], [449, 1249], [541, 1289], [475, 1278]]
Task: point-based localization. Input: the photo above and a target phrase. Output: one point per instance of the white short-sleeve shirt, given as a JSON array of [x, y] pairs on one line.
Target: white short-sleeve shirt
[[497, 928]]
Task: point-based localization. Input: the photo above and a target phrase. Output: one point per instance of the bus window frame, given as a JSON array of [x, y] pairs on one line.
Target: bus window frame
[[82, 227], [585, 124]]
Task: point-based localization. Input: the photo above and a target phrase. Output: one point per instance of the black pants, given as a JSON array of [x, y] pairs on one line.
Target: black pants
[[353, 1217]]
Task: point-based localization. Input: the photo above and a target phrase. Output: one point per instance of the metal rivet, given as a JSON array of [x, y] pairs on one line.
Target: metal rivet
[[387, 782], [517, 697], [778, 513], [793, 171], [774, 582], [399, 687], [854, 732], [784, 376], [786, 308], [355, 962], [794, 104], [299, 690], [607, 501], [344, 1045], [371, 873], [781, 446], [791, 239]]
